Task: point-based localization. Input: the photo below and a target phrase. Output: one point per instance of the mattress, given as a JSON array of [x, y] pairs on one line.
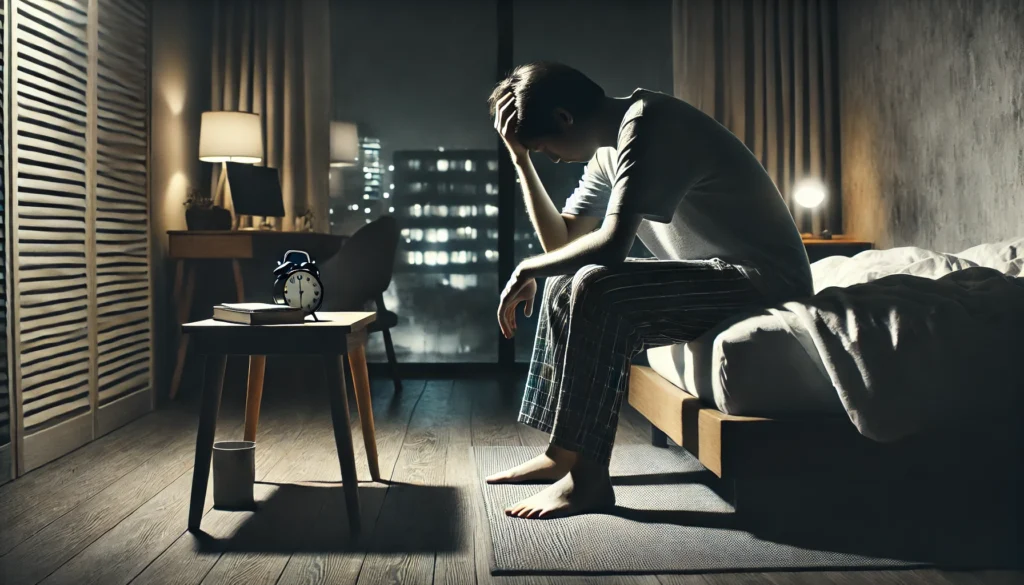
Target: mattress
[[766, 363], [762, 364]]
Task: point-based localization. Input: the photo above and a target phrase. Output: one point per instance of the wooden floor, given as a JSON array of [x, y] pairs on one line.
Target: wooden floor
[[115, 510]]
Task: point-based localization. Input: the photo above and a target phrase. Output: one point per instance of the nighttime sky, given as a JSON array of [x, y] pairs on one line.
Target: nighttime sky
[[417, 73]]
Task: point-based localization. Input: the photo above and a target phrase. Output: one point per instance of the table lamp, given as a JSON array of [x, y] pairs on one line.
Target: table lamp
[[810, 193], [230, 137], [344, 144]]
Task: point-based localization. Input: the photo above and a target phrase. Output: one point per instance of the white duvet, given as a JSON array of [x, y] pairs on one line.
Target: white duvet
[[907, 337]]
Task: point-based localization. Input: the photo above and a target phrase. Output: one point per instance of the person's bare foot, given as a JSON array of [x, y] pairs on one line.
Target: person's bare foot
[[578, 492], [551, 465]]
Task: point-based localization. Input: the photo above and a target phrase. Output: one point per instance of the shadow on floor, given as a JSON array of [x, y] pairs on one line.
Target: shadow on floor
[[309, 518], [955, 521]]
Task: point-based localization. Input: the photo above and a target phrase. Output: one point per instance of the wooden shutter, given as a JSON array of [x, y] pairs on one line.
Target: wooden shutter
[[6, 463], [80, 219], [124, 333], [51, 297]]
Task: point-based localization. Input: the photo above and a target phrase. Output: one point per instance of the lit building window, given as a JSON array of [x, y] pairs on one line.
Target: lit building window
[[391, 167], [491, 255], [391, 209], [416, 210], [410, 257], [387, 195], [367, 210], [442, 165], [367, 221], [442, 211], [491, 210], [442, 234], [492, 165], [469, 166], [405, 232], [366, 196], [430, 258], [492, 234], [392, 186], [442, 258], [491, 189], [331, 211]]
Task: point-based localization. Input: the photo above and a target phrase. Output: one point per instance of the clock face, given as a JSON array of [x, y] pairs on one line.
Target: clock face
[[303, 291]]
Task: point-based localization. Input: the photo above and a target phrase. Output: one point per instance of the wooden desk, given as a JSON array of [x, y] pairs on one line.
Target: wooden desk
[[333, 337], [188, 247]]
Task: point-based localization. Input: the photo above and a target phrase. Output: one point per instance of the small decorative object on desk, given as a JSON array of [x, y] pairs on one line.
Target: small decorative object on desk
[[297, 283], [258, 314], [202, 214], [304, 223]]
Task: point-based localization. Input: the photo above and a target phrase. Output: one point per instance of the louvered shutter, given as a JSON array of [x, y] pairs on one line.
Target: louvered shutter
[[81, 288], [124, 334], [6, 405]]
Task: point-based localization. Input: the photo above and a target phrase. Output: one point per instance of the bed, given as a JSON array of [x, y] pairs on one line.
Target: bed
[[893, 345]]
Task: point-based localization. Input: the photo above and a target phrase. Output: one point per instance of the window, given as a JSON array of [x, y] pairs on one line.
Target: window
[[618, 63], [435, 147]]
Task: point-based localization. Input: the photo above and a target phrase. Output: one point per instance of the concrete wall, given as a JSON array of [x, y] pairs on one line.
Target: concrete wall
[[180, 93], [932, 107]]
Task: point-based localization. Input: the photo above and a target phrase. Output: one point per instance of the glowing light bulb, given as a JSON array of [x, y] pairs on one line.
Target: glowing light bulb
[[810, 192]]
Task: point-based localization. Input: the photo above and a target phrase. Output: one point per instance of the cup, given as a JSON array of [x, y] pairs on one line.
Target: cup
[[234, 472]]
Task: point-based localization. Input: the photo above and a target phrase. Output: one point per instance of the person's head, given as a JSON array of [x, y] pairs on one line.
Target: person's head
[[556, 107]]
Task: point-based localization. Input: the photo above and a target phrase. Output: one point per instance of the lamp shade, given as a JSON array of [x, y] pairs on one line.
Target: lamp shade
[[231, 137], [344, 144]]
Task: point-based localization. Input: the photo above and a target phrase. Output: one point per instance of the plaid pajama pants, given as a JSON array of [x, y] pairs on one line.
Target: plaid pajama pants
[[593, 323]]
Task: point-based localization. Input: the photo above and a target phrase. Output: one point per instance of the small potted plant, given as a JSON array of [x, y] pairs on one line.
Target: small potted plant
[[202, 214]]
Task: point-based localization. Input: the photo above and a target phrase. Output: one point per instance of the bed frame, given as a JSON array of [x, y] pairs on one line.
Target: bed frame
[[733, 447]]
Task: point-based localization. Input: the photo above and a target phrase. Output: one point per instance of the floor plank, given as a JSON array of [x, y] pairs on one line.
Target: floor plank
[[128, 521], [392, 413], [402, 549], [46, 494], [47, 550]]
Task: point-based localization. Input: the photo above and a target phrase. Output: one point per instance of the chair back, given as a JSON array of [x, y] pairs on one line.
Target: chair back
[[366, 262]]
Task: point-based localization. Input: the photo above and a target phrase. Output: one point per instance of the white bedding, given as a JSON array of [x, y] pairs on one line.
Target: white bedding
[[896, 355]]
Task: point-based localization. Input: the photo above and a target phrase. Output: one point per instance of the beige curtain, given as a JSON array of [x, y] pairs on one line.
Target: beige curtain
[[765, 69], [272, 57]]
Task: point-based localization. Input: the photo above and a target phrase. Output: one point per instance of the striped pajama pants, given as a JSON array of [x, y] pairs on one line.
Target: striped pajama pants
[[593, 323]]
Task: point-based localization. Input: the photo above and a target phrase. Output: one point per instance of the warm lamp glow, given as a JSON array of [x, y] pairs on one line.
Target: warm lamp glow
[[809, 193], [344, 144], [231, 137]]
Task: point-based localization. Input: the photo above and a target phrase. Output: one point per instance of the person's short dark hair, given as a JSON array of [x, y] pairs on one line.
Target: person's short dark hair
[[542, 86]]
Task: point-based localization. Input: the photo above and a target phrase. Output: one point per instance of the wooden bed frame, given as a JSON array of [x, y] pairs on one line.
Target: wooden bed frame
[[734, 447]]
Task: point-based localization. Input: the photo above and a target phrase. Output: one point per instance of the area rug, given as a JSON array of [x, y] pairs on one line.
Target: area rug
[[666, 520]]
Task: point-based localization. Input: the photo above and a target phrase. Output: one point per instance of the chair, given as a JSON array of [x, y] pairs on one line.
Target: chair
[[367, 260]]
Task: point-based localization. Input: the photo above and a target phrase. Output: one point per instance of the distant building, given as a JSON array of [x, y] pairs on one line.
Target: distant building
[[357, 193], [447, 206]]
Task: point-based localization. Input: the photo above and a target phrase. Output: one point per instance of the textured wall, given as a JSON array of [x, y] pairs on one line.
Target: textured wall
[[181, 91], [932, 107]]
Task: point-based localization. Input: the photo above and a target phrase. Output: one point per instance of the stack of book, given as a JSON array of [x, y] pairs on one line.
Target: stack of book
[[257, 314]]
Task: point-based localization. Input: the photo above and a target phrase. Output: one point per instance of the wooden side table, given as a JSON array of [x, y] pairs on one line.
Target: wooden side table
[[191, 247], [333, 337]]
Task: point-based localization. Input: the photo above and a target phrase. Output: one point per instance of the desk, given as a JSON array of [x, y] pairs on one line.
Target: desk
[[188, 247], [333, 337]]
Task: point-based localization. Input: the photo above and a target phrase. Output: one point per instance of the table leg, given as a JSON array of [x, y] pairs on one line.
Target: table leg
[[236, 267], [212, 387], [253, 395], [335, 376], [184, 309], [361, 381]]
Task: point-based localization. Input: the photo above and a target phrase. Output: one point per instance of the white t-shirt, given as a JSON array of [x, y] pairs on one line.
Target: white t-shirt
[[701, 192]]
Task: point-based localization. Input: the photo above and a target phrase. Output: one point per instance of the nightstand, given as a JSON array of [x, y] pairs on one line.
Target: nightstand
[[837, 246]]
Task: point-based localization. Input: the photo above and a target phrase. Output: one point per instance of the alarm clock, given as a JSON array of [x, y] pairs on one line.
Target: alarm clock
[[297, 282]]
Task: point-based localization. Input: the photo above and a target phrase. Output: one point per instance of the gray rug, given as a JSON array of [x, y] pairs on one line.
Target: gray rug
[[666, 521]]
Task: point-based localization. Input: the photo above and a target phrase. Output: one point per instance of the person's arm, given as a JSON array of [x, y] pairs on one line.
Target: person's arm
[[554, 229], [607, 246]]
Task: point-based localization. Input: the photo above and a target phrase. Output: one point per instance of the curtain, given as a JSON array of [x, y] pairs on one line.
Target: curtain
[[765, 69], [272, 57]]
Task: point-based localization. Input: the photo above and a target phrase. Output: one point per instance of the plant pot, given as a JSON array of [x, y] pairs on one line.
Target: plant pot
[[213, 218]]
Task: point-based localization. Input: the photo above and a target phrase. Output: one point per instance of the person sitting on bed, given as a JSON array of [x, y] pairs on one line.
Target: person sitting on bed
[[723, 239]]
